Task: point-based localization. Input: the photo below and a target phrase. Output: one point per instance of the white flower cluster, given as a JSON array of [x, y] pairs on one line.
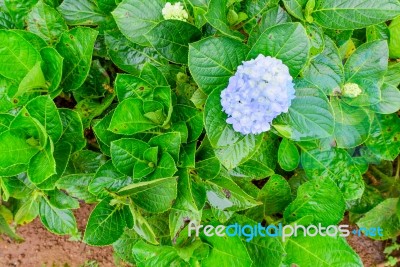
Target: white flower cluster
[[260, 90], [175, 11], [351, 90]]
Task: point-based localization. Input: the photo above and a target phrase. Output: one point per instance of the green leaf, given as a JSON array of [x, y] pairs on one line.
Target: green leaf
[[390, 100], [265, 251], [392, 76], [337, 165], [129, 118], [295, 7], [42, 166], [288, 42], [135, 18], [157, 256], [15, 152], [106, 224], [224, 194], [193, 120], [168, 142], [83, 12], [45, 111], [61, 200], [153, 196], [288, 155], [52, 69], [28, 211], [355, 14], [17, 56], [217, 17], [369, 61], [321, 251], [46, 22], [6, 229], [85, 161], [384, 215], [377, 32], [394, 41], [18, 10], [76, 47], [319, 198], [275, 195], [72, 129], [352, 124], [326, 70], [128, 56], [131, 86], [77, 186], [231, 148], [57, 221], [384, 140], [153, 75], [108, 179], [212, 61], [171, 39], [125, 153], [226, 251], [310, 115], [103, 135]]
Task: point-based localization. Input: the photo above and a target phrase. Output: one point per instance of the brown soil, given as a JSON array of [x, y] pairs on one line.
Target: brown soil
[[42, 248], [370, 251]]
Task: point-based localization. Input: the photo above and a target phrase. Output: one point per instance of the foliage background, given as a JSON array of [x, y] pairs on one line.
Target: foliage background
[[106, 102]]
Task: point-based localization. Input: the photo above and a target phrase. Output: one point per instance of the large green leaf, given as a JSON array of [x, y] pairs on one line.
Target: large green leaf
[[319, 198], [337, 165], [352, 124], [17, 56], [384, 140], [390, 100], [43, 165], [77, 186], [384, 215], [125, 153], [310, 115], [153, 196], [56, 220], [231, 148], [275, 195], [212, 61], [129, 118], [82, 12], [354, 14], [223, 194], [288, 155], [288, 42], [394, 43], [321, 251], [76, 47], [106, 224], [226, 251], [72, 129], [45, 111], [217, 17], [135, 18], [128, 56], [52, 69], [15, 152], [46, 22], [326, 70], [171, 39], [295, 7]]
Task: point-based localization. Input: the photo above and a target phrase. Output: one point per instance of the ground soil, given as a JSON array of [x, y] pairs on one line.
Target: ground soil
[[41, 248]]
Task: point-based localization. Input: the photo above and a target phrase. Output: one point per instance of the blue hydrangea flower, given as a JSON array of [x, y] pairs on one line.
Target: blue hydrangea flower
[[260, 90]]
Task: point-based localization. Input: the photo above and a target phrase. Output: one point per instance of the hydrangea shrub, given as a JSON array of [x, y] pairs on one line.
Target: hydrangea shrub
[[201, 112]]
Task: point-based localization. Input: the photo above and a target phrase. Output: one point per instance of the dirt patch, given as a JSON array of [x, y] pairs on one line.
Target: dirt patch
[[42, 248], [370, 251]]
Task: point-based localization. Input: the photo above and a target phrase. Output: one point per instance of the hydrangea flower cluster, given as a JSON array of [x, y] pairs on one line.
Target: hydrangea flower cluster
[[175, 11], [260, 90], [351, 90]]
